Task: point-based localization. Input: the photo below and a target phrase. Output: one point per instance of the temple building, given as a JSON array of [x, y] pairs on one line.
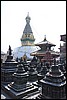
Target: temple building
[[45, 53], [27, 42]]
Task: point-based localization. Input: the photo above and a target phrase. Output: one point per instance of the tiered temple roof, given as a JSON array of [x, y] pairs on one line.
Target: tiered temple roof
[[45, 46]]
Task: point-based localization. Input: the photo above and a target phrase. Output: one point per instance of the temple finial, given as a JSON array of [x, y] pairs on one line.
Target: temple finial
[[28, 14], [10, 50], [44, 37], [28, 18]]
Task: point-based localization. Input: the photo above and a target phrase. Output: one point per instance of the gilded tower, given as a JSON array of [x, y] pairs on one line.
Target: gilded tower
[[27, 37]]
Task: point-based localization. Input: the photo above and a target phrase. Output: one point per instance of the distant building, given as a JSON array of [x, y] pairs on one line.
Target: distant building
[[3, 56], [63, 47], [27, 42]]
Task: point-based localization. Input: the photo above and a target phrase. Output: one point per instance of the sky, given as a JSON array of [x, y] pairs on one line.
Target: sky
[[47, 18]]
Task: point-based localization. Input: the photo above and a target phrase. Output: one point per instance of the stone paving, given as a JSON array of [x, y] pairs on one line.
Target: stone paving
[[4, 95]]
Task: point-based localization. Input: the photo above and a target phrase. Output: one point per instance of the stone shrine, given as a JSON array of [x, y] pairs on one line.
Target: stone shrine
[[42, 72], [32, 74], [34, 61], [20, 87], [53, 84], [8, 68], [19, 79], [25, 64], [62, 68], [38, 68]]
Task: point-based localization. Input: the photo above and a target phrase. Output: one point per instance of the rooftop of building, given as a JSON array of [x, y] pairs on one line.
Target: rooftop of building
[[45, 42]]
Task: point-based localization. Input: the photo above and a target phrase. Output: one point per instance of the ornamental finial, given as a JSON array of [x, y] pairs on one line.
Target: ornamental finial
[[10, 50], [44, 37], [28, 18], [28, 14]]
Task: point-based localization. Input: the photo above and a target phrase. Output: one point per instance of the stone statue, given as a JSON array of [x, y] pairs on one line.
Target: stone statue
[[24, 58]]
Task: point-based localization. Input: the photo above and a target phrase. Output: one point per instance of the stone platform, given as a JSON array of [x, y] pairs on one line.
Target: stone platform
[[32, 95], [21, 94]]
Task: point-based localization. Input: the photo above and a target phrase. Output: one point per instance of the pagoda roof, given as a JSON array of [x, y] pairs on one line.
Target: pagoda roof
[[45, 42], [42, 53]]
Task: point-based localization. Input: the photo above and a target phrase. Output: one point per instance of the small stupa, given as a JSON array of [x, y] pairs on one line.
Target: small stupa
[[8, 68]]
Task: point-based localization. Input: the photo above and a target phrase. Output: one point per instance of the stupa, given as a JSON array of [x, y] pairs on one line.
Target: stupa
[[8, 68], [27, 42], [32, 74], [20, 87], [53, 84], [42, 72]]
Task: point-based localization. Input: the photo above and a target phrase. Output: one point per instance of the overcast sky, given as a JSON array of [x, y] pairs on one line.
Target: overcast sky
[[47, 18]]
